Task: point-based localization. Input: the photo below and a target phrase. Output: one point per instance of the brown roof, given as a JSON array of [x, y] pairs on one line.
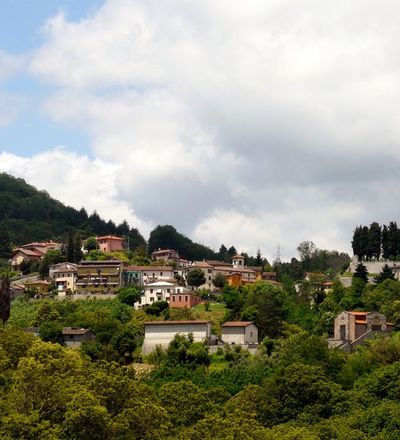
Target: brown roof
[[201, 264], [237, 324], [74, 331], [361, 322], [109, 237], [238, 256], [218, 263], [175, 322], [233, 269], [149, 268], [359, 313], [28, 252]]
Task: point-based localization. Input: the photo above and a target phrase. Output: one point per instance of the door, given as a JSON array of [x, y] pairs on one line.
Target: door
[[343, 332]]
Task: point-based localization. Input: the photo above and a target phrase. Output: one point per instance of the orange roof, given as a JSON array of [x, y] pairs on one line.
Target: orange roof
[[358, 321], [359, 313], [238, 256]]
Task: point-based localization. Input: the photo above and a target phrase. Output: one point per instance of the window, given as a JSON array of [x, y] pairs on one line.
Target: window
[[180, 298], [160, 274], [209, 270], [151, 300], [151, 290], [186, 298], [168, 290], [173, 299]]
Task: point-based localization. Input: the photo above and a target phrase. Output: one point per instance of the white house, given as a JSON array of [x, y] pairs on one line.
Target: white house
[[158, 291], [163, 332], [239, 333]]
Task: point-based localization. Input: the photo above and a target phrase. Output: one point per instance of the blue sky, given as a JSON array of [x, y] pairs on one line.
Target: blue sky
[[21, 23]]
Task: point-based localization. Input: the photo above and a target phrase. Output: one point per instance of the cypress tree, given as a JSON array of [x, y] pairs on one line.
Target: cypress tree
[[374, 241], [5, 243], [5, 298], [385, 243], [364, 238], [70, 249], [78, 255], [356, 245]]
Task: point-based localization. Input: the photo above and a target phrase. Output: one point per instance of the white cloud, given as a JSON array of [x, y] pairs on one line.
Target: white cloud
[[249, 123], [75, 180]]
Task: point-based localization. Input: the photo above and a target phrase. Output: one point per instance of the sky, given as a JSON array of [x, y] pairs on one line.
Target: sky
[[246, 123]]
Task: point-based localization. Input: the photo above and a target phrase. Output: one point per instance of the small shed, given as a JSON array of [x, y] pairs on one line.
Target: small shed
[[239, 332], [163, 332], [74, 336]]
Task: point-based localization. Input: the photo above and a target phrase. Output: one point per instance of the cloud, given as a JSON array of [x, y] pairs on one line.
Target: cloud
[[249, 123], [76, 180]]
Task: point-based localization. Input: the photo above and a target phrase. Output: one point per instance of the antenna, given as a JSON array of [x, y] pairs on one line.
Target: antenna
[[278, 253]]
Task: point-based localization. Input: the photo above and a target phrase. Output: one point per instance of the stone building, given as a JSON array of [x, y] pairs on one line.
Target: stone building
[[352, 328], [74, 336]]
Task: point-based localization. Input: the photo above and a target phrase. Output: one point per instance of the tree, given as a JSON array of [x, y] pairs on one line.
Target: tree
[[70, 248], [258, 260], [232, 251], [128, 295], [5, 243], [196, 277], [374, 241], [385, 242], [91, 244], [385, 274], [219, 280], [78, 255], [5, 297], [52, 256], [356, 245], [361, 273]]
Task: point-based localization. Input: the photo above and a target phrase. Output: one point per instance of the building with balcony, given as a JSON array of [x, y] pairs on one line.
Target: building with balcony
[[109, 243], [98, 276]]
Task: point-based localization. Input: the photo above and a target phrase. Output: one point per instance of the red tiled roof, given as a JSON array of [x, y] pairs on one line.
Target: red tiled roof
[[237, 324], [359, 313], [28, 252], [149, 268], [358, 321]]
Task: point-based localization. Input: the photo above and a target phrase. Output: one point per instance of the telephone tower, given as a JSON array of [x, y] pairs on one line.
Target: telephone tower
[[278, 253]]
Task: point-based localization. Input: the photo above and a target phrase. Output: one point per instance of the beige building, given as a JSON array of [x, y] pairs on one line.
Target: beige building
[[163, 332], [63, 275], [98, 276], [239, 333], [168, 255]]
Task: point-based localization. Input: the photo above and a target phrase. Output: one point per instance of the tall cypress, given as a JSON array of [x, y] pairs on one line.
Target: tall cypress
[[5, 298], [356, 242], [385, 243], [374, 241], [70, 249], [364, 238], [78, 255]]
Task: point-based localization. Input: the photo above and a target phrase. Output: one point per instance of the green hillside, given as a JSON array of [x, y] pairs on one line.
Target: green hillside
[[32, 215]]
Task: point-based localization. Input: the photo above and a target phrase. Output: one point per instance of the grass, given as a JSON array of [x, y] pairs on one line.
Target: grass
[[215, 314]]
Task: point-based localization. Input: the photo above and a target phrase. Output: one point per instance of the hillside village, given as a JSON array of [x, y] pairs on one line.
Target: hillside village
[[191, 336]]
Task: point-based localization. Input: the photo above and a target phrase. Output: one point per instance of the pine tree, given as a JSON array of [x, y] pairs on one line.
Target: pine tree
[[259, 260], [385, 274], [361, 273]]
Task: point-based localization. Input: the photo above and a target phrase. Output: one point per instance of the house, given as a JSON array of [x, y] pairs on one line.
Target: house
[[63, 275], [21, 255], [40, 287], [239, 333], [140, 275], [269, 276], [185, 299], [109, 243], [169, 255], [352, 328], [163, 332], [98, 276], [159, 291], [42, 246], [74, 336]]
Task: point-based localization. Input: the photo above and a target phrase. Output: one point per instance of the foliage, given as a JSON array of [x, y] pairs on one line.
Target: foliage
[[128, 295], [196, 277]]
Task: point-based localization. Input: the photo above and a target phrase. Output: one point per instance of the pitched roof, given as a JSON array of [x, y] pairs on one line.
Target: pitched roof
[[28, 252], [237, 323], [238, 256], [148, 268], [359, 313], [175, 322], [75, 331], [201, 264]]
